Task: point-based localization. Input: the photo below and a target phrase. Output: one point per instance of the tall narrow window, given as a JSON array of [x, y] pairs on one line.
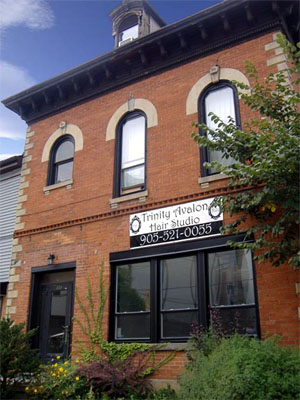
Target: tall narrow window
[[221, 99], [131, 143], [179, 296], [61, 160], [133, 301], [231, 289]]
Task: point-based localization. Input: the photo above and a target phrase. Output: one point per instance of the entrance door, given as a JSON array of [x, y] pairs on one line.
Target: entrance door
[[55, 320]]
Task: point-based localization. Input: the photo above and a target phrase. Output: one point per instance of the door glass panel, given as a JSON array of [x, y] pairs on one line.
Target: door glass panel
[[179, 283], [133, 287], [57, 321], [230, 278], [178, 324]]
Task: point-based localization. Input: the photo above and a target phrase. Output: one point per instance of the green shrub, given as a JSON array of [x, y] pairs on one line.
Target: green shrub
[[240, 368], [16, 357], [58, 381]]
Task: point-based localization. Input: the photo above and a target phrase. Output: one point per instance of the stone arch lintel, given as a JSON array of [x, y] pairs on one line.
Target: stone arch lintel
[[135, 104], [64, 129], [229, 74]]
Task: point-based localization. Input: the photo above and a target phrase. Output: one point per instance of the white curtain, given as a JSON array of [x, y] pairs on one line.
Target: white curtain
[[221, 103], [133, 142]]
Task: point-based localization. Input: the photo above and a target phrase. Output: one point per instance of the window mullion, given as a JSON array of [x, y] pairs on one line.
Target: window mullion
[[202, 292], [154, 301]]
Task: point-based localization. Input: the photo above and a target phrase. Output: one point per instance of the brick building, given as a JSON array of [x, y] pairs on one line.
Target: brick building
[[111, 175]]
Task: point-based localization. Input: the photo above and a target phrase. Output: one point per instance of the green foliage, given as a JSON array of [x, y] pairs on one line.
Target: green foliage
[[240, 368], [17, 358], [265, 175], [91, 348], [58, 381], [108, 361]]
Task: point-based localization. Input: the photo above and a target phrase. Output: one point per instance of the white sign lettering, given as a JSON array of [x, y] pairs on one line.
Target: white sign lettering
[[187, 221]]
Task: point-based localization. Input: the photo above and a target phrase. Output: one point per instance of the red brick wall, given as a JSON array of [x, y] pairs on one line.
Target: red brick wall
[[173, 168]]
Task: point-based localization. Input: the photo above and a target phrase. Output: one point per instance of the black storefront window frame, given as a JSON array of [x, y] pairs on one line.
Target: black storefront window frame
[[154, 254]]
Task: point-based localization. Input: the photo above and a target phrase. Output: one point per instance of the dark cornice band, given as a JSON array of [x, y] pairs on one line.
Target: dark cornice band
[[210, 30]]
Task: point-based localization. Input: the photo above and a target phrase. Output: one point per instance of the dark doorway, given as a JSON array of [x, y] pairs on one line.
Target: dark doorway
[[51, 312]]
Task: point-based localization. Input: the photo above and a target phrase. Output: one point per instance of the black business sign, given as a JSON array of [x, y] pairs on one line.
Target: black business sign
[[188, 221]]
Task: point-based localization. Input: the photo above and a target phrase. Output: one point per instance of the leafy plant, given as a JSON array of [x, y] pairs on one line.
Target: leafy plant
[[264, 178], [109, 367], [240, 368], [119, 378], [58, 380], [17, 358]]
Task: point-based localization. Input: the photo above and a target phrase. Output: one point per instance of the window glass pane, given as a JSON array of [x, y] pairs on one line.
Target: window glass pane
[[178, 324], [64, 151], [55, 343], [131, 32], [133, 326], [230, 278], [221, 103], [133, 176], [133, 287], [241, 320], [178, 283], [64, 172], [133, 142]]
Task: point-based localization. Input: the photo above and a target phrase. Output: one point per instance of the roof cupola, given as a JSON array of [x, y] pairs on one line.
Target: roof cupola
[[134, 19]]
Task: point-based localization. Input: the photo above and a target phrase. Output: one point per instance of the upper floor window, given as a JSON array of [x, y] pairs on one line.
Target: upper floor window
[[221, 99], [131, 154], [61, 160], [128, 30]]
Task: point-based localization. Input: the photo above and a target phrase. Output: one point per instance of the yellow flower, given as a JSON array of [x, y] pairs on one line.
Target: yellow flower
[[55, 365], [61, 369], [53, 374], [77, 361], [27, 388], [66, 362], [58, 357], [35, 390], [77, 378]]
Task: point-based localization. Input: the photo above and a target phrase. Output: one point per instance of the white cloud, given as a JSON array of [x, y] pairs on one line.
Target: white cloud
[[13, 79], [5, 156], [34, 14]]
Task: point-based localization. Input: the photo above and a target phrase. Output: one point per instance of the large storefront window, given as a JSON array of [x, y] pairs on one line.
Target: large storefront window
[[160, 298]]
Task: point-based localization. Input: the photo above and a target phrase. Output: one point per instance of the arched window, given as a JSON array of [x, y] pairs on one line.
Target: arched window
[[61, 160], [128, 30], [222, 100], [130, 171]]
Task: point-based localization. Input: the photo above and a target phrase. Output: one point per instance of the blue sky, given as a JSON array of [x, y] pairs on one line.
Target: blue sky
[[40, 39]]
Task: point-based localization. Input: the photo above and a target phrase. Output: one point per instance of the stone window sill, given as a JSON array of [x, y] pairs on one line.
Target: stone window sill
[[68, 184], [141, 196], [205, 180], [173, 346]]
